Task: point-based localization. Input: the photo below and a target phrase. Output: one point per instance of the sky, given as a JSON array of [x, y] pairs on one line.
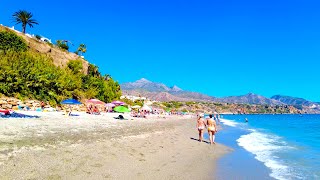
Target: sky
[[217, 47]]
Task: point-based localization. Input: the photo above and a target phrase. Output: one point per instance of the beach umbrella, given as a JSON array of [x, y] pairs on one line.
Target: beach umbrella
[[136, 107], [110, 105], [71, 102], [95, 101], [121, 109], [118, 103]]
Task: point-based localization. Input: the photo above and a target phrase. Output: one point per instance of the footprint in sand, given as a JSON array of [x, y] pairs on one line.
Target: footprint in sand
[[54, 177], [133, 150], [107, 176], [97, 165], [88, 172]]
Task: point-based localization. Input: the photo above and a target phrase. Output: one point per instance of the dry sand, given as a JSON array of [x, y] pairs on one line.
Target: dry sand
[[100, 147]]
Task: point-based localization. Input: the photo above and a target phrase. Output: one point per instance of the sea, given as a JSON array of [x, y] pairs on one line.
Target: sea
[[270, 147]]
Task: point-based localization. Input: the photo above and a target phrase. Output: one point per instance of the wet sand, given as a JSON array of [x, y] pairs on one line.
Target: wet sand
[[100, 147]]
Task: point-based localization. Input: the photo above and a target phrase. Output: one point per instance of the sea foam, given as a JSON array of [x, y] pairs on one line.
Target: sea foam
[[264, 146], [229, 122]]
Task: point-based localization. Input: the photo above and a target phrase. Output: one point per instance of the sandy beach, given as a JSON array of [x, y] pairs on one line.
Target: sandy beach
[[99, 147]]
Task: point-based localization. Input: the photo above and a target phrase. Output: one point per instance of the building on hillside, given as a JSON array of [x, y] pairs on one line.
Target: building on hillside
[[43, 39], [133, 98], [137, 98]]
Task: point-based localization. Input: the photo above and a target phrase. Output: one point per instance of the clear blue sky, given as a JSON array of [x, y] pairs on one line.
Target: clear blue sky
[[217, 47]]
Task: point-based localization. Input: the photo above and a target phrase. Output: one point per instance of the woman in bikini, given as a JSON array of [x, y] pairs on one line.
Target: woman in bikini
[[200, 126], [212, 129]]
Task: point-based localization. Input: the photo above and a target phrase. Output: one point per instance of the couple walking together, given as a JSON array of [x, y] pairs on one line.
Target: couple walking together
[[211, 126]]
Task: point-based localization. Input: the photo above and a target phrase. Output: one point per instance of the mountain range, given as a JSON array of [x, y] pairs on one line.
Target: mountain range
[[161, 92]]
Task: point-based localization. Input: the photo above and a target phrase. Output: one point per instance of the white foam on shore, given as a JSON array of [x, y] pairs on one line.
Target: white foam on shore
[[229, 122], [263, 146]]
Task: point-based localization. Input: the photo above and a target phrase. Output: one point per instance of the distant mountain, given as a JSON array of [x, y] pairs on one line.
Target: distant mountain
[[295, 101], [145, 84], [176, 89], [249, 98], [161, 92]]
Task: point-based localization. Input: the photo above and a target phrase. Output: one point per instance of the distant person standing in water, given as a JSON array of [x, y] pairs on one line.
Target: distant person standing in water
[[218, 118], [200, 126], [212, 129]]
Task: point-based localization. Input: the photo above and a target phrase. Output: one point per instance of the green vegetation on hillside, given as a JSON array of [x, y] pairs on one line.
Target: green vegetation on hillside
[[62, 44], [9, 41], [28, 74]]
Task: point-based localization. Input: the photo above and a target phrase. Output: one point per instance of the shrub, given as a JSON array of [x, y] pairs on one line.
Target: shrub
[[62, 44], [11, 41], [75, 66], [38, 37]]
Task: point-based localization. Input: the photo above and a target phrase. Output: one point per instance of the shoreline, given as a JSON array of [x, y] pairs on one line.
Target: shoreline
[[242, 163], [100, 147]]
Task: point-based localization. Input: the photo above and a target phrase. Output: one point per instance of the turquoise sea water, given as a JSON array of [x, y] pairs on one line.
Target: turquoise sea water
[[288, 145]]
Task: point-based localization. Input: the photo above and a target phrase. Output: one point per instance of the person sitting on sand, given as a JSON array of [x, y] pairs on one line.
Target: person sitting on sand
[[42, 105], [212, 129], [89, 109], [200, 126], [96, 110]]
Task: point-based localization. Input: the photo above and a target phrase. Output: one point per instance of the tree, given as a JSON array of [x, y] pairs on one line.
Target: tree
[[25, 18], [62, 44], [38, 37], [81, 49]]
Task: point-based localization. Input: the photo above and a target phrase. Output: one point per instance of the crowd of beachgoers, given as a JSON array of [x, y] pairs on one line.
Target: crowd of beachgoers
[[72, 107]]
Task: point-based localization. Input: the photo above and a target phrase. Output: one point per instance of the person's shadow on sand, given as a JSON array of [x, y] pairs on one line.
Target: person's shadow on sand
[[198, 140]]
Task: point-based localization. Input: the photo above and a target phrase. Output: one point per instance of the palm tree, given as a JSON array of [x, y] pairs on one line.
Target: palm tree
[[25, 18], [82, 49]]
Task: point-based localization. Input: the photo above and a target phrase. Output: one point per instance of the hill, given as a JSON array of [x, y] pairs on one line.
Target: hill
[[161, 92], [60, 57], [299, 103], [31, 69], [250, 98]]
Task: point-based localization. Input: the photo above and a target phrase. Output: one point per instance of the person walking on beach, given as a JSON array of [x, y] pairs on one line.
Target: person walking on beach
[[212, 129], [200, 126]]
